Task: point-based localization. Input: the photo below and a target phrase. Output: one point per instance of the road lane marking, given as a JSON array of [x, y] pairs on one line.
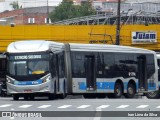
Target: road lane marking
[[6, 105], [65, 106], [98, 113], [25, 106], [142, 106], [103, 106], [83, 106], [122, 106], [158, 107], [44, 106]]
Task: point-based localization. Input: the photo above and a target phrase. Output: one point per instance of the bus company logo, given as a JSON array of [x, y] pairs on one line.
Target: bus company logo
[[144, 37]]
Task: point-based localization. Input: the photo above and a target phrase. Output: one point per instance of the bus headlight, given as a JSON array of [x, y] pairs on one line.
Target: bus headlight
[[10, 81], [46, 79]]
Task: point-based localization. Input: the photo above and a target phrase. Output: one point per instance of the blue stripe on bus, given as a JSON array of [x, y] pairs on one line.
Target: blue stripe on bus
[[105, 85], [28, 82], [110, 85], [82, 86], [153, 87], [100, 85]]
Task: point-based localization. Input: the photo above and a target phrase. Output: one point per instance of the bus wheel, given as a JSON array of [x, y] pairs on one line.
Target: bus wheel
[[15, 97], [117, 90], [153, 95], [131, 90]]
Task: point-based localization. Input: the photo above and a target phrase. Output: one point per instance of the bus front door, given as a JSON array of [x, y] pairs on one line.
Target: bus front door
[[142, 73], [90, 73]]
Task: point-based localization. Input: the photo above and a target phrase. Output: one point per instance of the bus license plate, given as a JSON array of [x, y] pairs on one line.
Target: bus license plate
[[28, 91]]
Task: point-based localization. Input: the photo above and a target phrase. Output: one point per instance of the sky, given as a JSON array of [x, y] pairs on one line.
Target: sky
[[28, 3]]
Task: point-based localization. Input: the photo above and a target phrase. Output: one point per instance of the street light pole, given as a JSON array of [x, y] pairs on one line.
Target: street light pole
[[47, 13], [118, 23]]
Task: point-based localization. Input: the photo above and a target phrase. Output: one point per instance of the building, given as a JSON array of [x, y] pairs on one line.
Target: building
[[142, 1], [34, 15]]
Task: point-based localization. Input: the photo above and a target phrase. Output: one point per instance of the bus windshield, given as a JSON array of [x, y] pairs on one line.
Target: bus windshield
[[28, 68], [25, 66]]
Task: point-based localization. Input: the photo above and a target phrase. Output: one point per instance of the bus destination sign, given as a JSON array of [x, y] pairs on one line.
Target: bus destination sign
[[28, 57]]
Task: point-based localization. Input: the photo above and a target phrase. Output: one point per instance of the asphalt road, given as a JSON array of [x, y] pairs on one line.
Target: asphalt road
[[86, 109]]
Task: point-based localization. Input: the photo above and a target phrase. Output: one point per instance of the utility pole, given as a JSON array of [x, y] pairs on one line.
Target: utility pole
[[47, 13], [118, 23]]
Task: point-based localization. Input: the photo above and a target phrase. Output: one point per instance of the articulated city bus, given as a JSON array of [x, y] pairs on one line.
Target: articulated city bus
[[100, 70], [156, 94], [35, 68], [56, 69]]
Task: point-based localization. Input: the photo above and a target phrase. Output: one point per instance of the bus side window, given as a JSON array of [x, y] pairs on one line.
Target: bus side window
[[53, 65], [99, 64], [109, 66], [61, 65]]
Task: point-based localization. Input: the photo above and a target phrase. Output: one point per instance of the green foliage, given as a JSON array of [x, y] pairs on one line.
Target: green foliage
[[67, 10], [15, 5]]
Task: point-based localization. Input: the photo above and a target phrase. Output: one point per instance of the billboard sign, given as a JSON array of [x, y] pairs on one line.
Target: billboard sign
[[142, 37]]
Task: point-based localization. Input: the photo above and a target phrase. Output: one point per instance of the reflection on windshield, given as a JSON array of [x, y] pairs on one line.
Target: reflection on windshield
[[29, 67]]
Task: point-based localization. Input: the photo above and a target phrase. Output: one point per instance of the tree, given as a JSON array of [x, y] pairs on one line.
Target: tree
[[15, 5], [67, 10]]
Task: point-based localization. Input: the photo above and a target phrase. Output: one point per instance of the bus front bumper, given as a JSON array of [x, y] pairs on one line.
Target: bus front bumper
[[39, 88]]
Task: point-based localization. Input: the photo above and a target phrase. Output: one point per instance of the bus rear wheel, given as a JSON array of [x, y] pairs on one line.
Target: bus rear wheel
[[131, 90], [153, 95]]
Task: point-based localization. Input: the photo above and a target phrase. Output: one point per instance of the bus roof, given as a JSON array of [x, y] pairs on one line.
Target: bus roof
[[158, 56], [33, 46], [42, 45], [109, 48]]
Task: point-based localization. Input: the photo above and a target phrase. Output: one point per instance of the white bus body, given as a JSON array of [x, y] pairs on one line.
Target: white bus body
[[91, 70], [97, 69]]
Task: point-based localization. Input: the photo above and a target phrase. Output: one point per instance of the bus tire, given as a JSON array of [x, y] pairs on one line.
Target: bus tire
[[15, 97], [117, 90], [153, 95], [131, 91]]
